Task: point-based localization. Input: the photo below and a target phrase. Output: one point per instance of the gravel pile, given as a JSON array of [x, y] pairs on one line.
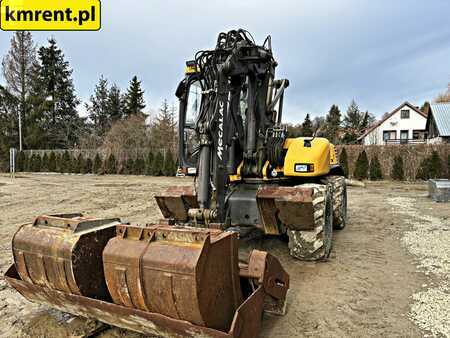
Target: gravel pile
[[429, 241]]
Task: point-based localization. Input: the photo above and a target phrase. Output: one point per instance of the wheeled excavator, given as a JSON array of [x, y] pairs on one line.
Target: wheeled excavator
[[183, 277]]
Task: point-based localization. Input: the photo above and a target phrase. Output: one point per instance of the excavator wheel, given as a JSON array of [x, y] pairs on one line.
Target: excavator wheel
[[339, 191], [313, 245]]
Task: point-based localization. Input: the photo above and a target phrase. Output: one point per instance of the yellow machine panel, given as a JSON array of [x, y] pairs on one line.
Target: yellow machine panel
[[306, 157], [333, 156]]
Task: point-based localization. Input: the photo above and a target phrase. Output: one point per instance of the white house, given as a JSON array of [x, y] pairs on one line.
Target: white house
[[405, 124]]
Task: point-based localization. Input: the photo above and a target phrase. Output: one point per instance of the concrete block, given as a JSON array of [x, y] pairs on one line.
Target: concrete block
[[439, 190]]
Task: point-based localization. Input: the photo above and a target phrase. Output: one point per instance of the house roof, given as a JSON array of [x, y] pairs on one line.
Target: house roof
[[376, 125], [441, 115]]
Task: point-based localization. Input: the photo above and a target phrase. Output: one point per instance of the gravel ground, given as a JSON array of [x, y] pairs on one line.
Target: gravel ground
[[387, 275], [429, 242]]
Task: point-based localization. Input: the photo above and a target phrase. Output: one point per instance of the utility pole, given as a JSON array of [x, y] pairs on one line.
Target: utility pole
[[20, 131]]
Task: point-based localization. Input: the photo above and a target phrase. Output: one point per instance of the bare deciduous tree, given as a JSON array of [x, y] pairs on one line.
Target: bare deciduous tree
[[17, 69]]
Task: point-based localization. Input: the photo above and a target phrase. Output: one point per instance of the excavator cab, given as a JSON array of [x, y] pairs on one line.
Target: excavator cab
[[189, 93]]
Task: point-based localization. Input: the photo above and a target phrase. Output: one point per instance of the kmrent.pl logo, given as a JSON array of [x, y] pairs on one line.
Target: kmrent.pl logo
[[50, 15]]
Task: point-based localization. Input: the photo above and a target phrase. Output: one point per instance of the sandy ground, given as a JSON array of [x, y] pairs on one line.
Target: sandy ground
[[386, 275]]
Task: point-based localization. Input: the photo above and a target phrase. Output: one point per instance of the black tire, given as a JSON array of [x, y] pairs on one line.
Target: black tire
[[316, 244], [341, 221]]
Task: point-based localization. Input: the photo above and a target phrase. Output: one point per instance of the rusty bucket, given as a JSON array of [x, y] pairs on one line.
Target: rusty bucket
[[181, 272], [64, 252]]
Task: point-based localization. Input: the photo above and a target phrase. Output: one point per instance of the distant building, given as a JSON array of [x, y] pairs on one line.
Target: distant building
[[438, 123], [405, 124]]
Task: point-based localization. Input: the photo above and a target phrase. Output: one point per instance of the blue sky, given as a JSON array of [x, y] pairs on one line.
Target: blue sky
[[379, 53]]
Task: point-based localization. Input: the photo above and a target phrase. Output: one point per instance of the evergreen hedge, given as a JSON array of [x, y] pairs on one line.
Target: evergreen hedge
[[361, 166], [343, 161], [375, 173], [158, 164], [97, 165], [52, 162], [111, 165], [149, 163], [430, 167], [397, 172]]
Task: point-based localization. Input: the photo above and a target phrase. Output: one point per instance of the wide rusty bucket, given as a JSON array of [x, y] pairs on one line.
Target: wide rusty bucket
[[64, 252], [184, 273]]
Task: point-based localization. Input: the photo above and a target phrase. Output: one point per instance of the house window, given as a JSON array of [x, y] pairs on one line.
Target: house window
[[404, 114], [389, 135]]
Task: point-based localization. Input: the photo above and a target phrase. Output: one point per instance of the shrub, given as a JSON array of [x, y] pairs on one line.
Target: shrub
[[343, 161], [20, 161], [97, 165], [87, 169], [59, 163], [78, 164], [51, 166], [158, 164], [27, 163], [169, 165], [149, 163], [430, 167], [37, 162], [448, 166], [129, 166], [44, 162], [111, 167], [397, 172], [66, 163], [375, 169], [361, 166], [139, 166]]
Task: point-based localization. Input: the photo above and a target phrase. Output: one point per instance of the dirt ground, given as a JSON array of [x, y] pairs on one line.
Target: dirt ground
[[369, 287]]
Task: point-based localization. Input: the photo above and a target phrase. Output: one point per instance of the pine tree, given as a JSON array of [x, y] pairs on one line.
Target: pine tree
[[164, 131], [115, 104], [332, 124], [425, 108], [375, 172], [149, 164], [52, 162], [111, 166], [44, 163], [134, 98], [98, 109], [307, 126], [168, 165], [343, 161], [361, 166], [17, 67], [355, 122], [54, 100], [158, 164], [397, 172], [97, 165]]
